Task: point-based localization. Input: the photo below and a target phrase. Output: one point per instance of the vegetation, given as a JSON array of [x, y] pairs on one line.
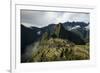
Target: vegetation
[[60, 50]]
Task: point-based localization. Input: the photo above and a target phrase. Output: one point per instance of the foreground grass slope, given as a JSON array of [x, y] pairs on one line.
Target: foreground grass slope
[[56, 49]]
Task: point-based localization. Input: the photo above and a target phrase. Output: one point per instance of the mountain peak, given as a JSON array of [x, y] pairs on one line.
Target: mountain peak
[[58, 31], [59, 25]]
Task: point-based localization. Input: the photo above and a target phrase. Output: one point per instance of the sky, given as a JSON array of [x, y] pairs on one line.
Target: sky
[[44, 18]]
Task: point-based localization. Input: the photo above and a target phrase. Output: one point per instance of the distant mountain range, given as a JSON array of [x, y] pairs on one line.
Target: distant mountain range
[[76, 32]]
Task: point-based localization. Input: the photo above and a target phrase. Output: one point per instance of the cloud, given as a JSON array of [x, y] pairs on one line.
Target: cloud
[[75, 27], [43, 18]]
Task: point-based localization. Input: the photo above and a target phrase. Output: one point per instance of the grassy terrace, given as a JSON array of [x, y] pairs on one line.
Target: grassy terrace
[[59, 50]]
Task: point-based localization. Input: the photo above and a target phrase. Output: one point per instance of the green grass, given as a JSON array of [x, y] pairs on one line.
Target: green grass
[[60, 50]]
